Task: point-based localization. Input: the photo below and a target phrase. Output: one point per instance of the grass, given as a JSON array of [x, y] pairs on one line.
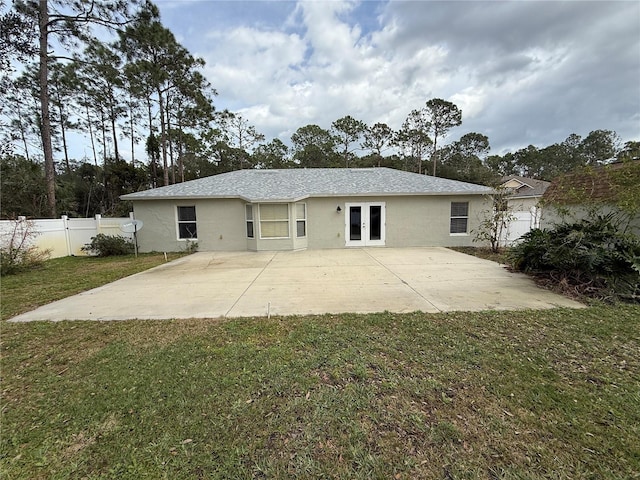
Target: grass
[[552, 394], [530, 394], [66, 276]]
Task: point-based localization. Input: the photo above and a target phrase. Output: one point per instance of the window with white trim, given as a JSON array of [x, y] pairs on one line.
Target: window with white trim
[[187, 227], [301, 219], [459, 218], [249, 219], [274, 220]]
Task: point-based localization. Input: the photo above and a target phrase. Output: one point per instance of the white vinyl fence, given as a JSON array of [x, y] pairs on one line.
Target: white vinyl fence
[[65, 236], [521, 223]]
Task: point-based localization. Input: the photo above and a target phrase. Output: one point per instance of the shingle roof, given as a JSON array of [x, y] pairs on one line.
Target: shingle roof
[[297, 184], [530, 187]]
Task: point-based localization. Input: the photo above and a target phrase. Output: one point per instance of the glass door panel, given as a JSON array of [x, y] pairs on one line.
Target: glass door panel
[[355, 223], [375, 222]]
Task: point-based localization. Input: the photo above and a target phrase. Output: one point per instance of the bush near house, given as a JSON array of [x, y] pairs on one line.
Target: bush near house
[[109, 245], [591, 257]]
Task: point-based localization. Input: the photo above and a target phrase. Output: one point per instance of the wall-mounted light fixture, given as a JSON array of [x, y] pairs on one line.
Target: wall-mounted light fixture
[[338, 209]]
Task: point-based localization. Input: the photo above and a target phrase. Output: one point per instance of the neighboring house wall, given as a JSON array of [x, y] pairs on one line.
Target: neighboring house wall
[[222, 223], [575, 213]]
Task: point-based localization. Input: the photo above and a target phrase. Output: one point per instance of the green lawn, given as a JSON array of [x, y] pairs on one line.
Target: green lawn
[[551, 394]]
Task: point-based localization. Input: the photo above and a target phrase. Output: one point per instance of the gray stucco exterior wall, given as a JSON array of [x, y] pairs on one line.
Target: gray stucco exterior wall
[[416, 220], [220, 222]]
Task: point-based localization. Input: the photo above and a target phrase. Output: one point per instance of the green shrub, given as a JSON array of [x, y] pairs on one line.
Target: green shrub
[[14, 260], [108, 246], [591, 257], [529, 255]]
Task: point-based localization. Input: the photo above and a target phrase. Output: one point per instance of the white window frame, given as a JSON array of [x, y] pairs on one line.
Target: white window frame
[[303, 219], [279, 220], [452, 217], [179, 222]]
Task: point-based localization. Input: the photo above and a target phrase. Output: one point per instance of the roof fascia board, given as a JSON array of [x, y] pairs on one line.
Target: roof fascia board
[[183, 197], [409, 194], [515, 197], [318, 195]]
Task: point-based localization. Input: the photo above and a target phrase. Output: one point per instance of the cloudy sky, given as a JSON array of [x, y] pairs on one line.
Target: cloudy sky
[[525, 72]]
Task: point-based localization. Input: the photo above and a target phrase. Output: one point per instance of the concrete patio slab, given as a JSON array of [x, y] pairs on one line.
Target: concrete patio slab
[[362, 280]]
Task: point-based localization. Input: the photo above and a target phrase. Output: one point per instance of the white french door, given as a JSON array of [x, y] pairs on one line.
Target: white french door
[[364, 224]]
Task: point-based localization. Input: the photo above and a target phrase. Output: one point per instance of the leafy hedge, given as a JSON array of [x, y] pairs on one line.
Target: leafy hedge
[[591, 257], [106, 245]]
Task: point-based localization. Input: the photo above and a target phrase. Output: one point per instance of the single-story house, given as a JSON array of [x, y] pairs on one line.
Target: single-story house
[[524, 205], [309, 208], [525, 192]]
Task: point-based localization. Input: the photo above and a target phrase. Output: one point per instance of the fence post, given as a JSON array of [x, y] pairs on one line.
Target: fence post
[[67, 237], [98, 219]]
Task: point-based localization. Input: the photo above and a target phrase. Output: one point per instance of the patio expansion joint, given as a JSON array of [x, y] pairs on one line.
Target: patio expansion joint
[[244, 292], [402, 280]]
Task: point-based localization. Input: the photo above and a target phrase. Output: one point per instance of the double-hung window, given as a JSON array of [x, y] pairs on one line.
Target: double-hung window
[[459, 218], [187, 227], [274, 220], [301, 219]]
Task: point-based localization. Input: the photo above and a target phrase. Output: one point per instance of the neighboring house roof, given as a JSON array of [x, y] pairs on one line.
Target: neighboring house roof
[[603, 184], [297, 184], [525, 187]]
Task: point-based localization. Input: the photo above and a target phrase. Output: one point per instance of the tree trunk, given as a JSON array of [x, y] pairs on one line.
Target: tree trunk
[[149, 114], [154, 166], [105, 176], [23, 135], [63, 131], [133, 138], [49, 169], [434, 157], [114, 132], [104, 139], [173, 168], [163, 138], [93, 143], [180, 150]]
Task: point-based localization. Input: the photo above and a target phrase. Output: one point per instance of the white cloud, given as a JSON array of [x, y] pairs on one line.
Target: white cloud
[[522, 72]]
